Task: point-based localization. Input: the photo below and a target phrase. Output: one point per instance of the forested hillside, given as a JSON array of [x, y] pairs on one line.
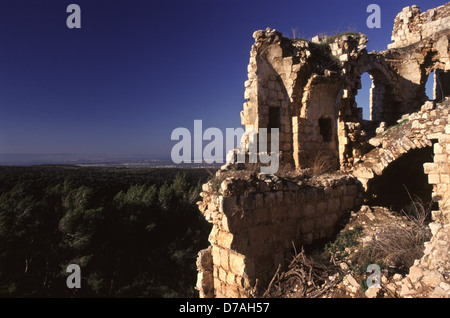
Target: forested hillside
[[133, 232]]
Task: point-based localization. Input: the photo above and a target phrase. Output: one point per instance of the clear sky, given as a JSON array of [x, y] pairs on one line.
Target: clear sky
[[138, 69]]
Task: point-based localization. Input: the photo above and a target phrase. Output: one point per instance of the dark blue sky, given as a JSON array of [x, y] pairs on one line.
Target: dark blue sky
[[138, 69]]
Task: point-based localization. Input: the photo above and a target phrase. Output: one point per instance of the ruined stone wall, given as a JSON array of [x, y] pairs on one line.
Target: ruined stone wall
[[429, 127], [428, 277], [411, 26], [414, 64], [258, 223], [421, 46], [269, 88], [297, 86], [307, 89], [439, 171]]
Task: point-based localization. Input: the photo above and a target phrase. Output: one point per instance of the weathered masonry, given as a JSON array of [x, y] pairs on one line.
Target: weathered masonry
[[257, 222], [427, 128], [307, 89]]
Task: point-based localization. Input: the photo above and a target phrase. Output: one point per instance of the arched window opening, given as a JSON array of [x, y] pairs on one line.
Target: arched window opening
[[430, 86], [364, 97]]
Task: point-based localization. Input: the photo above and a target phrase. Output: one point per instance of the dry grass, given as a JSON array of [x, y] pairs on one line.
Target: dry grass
[[321, 163], [398, 246]]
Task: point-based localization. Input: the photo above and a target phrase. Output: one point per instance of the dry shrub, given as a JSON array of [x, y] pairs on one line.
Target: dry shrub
[[397, 245], [418, 214], [322, 163]]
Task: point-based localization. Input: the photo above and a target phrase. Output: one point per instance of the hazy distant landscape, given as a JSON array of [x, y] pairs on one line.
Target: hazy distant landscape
[[94, 161]]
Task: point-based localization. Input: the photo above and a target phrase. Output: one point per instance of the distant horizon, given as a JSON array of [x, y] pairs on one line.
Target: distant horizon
[[82, 154], [132, 160]]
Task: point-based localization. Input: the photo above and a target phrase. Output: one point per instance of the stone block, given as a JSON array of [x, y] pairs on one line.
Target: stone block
[[322, 208], [259, 200], [237, 264], [372, 292], [343, 57], [307, 225], [215, 253], [432, 278], [328, 192], [445, 178], [351, 189], [311, 195], [230, 291], [327, 222], [227, 205], [309, 211], [225, 224], [224, 259], [430, 167], [224, 239], [261, 215], [269, 199], [247, 201], [433, 178], [347, 202], [279, 197], [363, 172], [415, 274], [318, 224], [440, 158], [295, 212], [222, 274], [230, 280]]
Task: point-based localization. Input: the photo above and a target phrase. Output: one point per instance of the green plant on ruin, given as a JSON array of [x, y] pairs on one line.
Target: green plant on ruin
[[344, 239], [392, 128], [365, 257], [332, 38], [215, 183], [296, 40]]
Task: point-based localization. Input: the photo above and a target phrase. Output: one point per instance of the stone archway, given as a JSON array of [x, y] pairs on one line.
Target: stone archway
[[427, 128], [403, 182], [385, 105], [434, 65]]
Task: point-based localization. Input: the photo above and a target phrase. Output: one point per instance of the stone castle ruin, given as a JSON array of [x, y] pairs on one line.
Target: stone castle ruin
[[307, 90]]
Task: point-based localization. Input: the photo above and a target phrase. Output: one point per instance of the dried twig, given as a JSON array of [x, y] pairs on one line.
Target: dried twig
[[303, 276], [267, 292]]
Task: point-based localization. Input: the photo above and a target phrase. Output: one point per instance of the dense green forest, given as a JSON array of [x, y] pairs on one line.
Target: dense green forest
[[133, 232]]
